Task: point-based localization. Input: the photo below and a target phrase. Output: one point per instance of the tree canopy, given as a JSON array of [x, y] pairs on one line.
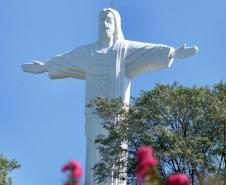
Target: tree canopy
[[6, 166], [185, 125]]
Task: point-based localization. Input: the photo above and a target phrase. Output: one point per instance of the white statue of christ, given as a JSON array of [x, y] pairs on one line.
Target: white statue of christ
[[107, 66]]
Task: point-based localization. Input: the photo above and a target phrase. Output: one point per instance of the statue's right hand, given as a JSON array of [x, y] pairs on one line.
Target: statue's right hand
[[34, 67]]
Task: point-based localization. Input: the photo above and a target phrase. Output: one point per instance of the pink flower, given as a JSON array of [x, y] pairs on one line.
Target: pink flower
[[65, 168], [74, 167], [68, 183], [75, 172], [144, 152], [146, 161], [178, 179], [145, 165]]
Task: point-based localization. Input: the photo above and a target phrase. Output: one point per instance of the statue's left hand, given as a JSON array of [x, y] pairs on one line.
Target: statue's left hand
[[185, 52]]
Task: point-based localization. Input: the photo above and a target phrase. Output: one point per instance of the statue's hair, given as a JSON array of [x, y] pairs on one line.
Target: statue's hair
[[118, 35]]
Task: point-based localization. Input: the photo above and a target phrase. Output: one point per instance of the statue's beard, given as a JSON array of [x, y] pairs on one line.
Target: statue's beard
[[108, 33]]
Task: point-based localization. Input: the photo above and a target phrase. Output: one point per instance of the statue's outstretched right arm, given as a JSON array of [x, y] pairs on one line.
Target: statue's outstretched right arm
[[66, 65]]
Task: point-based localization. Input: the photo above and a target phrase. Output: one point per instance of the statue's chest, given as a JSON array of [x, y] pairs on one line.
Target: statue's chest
[[106, 75], [106, 64]]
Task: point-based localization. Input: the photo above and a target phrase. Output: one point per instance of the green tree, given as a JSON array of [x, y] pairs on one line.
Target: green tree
[[186, 127], [6, 166]]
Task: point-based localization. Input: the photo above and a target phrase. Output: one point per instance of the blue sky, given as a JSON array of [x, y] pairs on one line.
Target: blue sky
[[42, 120]]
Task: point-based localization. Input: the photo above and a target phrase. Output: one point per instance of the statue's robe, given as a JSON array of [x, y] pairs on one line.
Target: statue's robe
[[108, 75]]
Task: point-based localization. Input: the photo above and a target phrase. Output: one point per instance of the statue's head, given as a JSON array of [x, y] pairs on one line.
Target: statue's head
[[110, 24]]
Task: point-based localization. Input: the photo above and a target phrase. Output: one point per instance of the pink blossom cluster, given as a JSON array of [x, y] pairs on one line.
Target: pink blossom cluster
[[146, 161], [146, 168], [178, 179], [75, 172]]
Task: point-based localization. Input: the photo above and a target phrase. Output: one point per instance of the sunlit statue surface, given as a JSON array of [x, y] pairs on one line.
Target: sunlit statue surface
[[107, 66]]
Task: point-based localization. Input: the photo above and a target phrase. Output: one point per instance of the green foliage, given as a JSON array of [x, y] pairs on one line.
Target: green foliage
[[6, 166], [186, 127]]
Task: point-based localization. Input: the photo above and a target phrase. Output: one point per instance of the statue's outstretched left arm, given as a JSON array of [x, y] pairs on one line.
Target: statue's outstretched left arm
[[183, 52], [145, 57]]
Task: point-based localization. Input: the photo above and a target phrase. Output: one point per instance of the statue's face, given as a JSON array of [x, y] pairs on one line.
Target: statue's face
[[108, 24]]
